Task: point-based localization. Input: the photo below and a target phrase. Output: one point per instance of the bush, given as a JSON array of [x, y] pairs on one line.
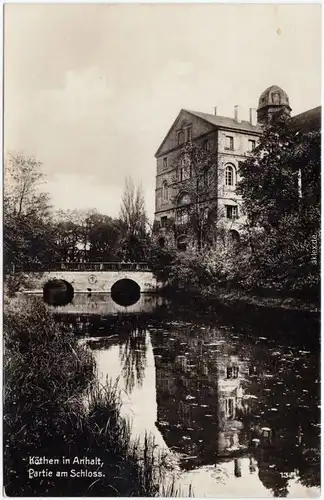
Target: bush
[[193, 271], [269, 268], [161, 262]]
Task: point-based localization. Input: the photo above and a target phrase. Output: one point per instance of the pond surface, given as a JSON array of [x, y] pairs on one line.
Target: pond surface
[[238, 407]]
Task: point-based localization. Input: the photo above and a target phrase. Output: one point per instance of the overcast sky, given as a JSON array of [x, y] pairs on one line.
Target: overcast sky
[[91, 90]]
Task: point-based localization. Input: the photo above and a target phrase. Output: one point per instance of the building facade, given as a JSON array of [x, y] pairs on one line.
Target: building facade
[[228, 141]]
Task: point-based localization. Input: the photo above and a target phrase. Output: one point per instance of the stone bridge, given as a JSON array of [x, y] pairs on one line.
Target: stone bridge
[[93, 276]]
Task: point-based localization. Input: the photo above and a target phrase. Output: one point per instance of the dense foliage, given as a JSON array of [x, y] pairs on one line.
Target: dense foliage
[[281, 197], [35, 235]]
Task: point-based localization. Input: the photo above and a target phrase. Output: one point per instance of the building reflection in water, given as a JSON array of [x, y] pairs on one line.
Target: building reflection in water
[[200, 397], [215, 398], [217, 402], [230, 403]]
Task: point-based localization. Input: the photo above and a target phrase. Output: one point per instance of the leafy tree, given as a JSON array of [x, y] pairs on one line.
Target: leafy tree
[[103, 237], [280, 187], [67, 236], [161, 261], [195, 197], [86, 236]]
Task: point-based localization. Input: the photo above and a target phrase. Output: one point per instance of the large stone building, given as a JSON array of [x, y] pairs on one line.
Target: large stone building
[[228, 141]]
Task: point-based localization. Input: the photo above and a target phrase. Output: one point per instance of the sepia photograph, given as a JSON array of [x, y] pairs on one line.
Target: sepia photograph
[[162, 250]]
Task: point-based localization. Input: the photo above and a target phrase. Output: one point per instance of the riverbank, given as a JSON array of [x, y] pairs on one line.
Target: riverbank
[[235, 297], [249, 317], [55, 444], [228, 279], [240, 298]]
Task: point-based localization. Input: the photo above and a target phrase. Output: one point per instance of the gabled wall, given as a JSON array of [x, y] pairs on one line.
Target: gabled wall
[[170, 150], [199, 127]]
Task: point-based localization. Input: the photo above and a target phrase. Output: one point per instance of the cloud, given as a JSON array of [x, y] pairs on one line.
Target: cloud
[[72, 191], [86, 94]]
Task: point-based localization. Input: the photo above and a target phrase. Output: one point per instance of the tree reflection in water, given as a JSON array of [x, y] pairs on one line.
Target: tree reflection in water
[[133, 356]]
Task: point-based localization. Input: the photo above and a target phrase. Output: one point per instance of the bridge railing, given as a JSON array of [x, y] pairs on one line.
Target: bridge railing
[[90, 266]]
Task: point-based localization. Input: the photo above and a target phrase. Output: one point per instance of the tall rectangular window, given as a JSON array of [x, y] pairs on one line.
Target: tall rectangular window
[[206, 178], [230, 408], [180, 174], [229, 142], [231, 211], [188, 132], [164, 221], [165, 163], [182, 216], [251, 145], [206, 145]]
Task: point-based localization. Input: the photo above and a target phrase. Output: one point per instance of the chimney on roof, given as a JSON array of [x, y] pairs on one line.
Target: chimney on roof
[[215, 110], [253, 116], [237, 117]]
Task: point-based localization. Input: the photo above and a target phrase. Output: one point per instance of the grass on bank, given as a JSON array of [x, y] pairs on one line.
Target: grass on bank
[[47, 375]]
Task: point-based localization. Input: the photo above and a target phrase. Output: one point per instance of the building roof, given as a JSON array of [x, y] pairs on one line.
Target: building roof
[[225, 122], [273, 96], [309, 120]]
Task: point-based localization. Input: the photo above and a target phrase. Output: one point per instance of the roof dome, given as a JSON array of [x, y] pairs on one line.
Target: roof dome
[[273, 96]]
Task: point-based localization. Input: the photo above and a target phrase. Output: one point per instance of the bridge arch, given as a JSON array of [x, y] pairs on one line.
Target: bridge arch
[[95, 276], [58, 292], [125, 292]]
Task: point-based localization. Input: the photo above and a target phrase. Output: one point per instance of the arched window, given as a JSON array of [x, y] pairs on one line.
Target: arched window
[[234, 237], [184, 199], [230, 175], [165, 191], [161, 242], [182, 243], [180, 136]]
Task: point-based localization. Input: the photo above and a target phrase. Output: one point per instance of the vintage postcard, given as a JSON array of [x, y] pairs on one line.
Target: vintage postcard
[[161, 250]]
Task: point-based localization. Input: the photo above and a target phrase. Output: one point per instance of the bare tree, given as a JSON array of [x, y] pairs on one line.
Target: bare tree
[[195, 196], [28, 235], [132, 211], [133, 222], [23, 178]]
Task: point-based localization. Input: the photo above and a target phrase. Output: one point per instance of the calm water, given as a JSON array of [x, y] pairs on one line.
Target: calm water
[[235, 404]]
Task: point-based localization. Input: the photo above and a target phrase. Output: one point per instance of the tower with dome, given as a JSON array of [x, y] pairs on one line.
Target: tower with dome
[[272, 101]]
